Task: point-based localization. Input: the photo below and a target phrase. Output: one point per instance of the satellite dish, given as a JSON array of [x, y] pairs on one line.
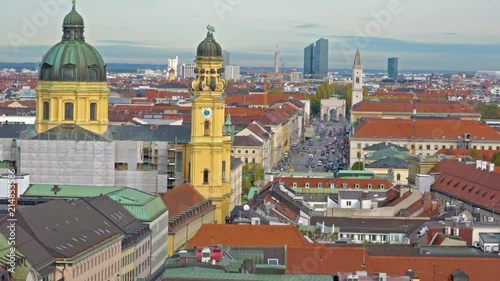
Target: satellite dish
[[246, 207]]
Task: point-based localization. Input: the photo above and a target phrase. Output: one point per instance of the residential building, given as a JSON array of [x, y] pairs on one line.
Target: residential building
[[259, 133], [248, 149], [296, 76], [227, 58], [477, 192], [357, 81], [422, 136], [396, 168], [172, 65], [147, 208], [232, 72], [92, 252], [392, 68], [189, 210], [186, 71]]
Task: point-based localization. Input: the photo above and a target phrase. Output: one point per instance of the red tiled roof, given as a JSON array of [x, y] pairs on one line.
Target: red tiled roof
[[425, 129], [331, 260], [406, 106], [181, 198], [259, 99], [467, 183], [325, 182], [399, 200], [247, 236], [484, 154]]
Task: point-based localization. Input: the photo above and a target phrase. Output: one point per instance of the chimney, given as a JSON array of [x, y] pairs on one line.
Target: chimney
[[478, 164], [491, 167], [484, 165]]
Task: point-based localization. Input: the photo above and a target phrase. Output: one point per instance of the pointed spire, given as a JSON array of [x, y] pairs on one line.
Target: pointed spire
[[228, 120], [357, 59]]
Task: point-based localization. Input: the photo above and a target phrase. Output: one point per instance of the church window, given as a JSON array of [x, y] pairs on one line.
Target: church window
[[205, 176], [357, 80], [206, 127], [93, 74], [93, 111], [46, 72], [46, 110], [68, 111], [398, 177], [69, 75]]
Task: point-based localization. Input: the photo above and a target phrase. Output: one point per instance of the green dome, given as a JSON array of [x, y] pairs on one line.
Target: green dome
[[209, 47], [73, 19], [72, 59]]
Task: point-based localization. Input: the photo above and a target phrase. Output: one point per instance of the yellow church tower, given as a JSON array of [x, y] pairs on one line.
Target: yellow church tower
[[208, 154], [72, 84]]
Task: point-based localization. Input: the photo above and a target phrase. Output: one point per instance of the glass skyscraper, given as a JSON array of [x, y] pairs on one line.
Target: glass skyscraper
[[392, 68], [316, 59]]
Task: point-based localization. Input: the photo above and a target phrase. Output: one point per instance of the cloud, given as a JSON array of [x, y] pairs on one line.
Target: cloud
[[450, 33], [128, 42], [307, 25]]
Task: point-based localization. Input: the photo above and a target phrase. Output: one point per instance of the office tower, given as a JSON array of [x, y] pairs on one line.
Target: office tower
[[172, 64], [357, 80], [316, 59], [308, 59], [392, 68], [232, 72], [226, 56]]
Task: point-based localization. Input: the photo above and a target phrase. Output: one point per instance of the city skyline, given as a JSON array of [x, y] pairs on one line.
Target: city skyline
[[426, 35]]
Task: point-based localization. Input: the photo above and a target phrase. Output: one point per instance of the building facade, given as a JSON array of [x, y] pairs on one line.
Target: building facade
[[232, 72], [392, 68]]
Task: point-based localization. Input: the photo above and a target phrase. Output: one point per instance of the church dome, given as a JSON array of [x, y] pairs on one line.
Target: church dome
[[72, 59], [209, 47]]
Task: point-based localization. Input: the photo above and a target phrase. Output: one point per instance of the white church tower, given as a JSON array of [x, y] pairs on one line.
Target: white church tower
[[357, 80]]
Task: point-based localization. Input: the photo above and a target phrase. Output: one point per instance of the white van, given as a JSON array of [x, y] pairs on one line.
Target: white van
[[311, 156]]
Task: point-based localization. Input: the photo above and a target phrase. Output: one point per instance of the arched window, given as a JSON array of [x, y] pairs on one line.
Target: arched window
[[46, 110], [357, 80], [69, 75], [206, 127], [68, 111], [93, 74], [93, 111], [205, 176], [398, 177]]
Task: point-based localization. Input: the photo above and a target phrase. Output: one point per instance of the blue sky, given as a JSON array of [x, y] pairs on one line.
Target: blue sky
[[424, 34]]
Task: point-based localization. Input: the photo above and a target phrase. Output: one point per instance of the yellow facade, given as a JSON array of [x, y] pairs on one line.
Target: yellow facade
[[208, 154], [80, 103]]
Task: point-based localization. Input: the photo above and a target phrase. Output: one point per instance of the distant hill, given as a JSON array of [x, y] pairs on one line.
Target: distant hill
[[132, 67]]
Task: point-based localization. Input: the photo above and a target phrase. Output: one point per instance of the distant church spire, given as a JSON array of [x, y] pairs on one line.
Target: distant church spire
[[357, 60]]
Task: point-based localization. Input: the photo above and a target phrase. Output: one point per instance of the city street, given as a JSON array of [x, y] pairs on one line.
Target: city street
[[329, 146]]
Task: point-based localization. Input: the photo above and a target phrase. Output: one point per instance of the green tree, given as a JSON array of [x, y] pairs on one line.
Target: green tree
[[496, 159], [275, 91], [474, 154], [253, 174], [357, 166]]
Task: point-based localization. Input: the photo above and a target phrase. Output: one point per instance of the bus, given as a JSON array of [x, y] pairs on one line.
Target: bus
[[343, 174]]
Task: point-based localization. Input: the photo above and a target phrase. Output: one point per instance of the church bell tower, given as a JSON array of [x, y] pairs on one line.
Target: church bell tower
[[209, 151], [357, 80]]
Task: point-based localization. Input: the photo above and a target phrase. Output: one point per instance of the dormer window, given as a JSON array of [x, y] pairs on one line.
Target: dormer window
[[69, 74], [294, 185], [369, 186], [382, 186], [356, 186], [307, 185], [344, 185], [332, 185], [320, 185]]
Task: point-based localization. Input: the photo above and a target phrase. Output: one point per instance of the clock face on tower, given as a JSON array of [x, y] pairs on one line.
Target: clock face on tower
[[206, 112]]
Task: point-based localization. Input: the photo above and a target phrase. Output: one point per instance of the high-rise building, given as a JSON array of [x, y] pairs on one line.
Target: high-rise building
[[276, 62], [172, 64], [296, 76], [226, 56], [232, 72], [308, 59], [357, 80], [392, 68], [186, 71], [316, 59]]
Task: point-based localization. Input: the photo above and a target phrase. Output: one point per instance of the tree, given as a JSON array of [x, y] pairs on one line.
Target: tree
[[275, 91], [496, 159], [357, 166], [253, 173], [474, 154]]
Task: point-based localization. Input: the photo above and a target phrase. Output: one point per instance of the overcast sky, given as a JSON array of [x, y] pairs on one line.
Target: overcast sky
[[424, 34]]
